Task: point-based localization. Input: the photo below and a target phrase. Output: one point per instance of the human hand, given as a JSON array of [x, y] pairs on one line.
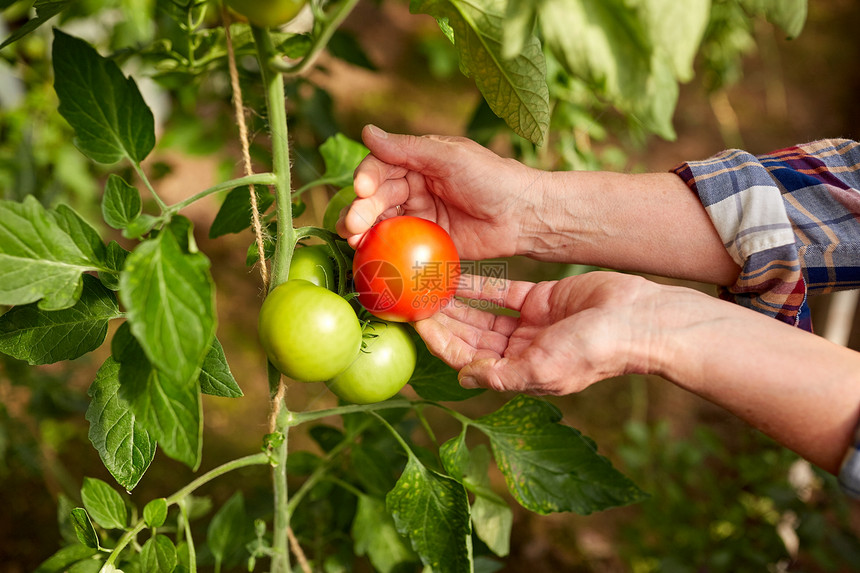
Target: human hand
[[481, 199], [568, 335]]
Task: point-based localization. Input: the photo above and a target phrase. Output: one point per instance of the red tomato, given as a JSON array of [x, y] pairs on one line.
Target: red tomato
[[405, 269]]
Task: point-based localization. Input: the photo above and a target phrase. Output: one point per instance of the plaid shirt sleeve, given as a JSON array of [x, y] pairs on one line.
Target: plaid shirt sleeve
[[791, 220]]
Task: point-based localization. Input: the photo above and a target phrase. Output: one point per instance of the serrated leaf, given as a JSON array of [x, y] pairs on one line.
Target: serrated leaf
[[45, 10], [155, 512], [216, 379], [550, 467], [44, 337], [434, 380], [234, 216], [158, 555], [169, 301], [125, 447], [515, 87], [84, 528], [375, 535], [39, 261], [110, 118], [432, 511], [492, 518], [104, 504], [121, 203], [170, 410], [341, 156], [115, 256], [81, 233], [229, 529]]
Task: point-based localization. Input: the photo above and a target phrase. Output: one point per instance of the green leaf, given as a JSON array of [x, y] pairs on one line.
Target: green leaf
[[606, 43], [121, 203], [341, 156], [69, 555], [84, 528], [229, 529], [170, 410], [515, 88], [44, 337], [551, 467], [155, 512], [216, 379], [432, 510], [39, 261], [110, 118], [434, 380], [104, 504], [125, 447], [790, 15], [234, 216], [492, 518], [676, 29], [158, 555], [45, 10], [114, 261], [81, 233], [375, 535], [169, 297]]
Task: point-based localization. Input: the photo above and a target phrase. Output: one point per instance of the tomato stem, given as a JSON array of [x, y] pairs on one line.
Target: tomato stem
[[275, 62], [256, 179], [275, 104]]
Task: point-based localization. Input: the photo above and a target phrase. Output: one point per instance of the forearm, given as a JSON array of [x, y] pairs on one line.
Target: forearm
[[799, 388], [648, 223]]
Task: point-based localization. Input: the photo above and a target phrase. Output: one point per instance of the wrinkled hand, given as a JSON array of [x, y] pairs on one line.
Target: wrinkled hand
[[568, 335], [475, 195]]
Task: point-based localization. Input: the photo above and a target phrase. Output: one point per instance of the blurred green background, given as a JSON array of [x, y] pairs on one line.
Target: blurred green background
[[724, 498]]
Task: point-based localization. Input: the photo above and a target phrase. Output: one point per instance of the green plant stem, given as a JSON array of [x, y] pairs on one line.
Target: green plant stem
[[303, 417], [286, 242], [275, 63], [280, 538], [256, 179], [396, 435], [275, 104], [140, 173], [254, 459], [192, 554]]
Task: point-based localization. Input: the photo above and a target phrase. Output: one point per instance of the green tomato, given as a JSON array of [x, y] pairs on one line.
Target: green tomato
[[314, 265], [381, 369], [267, 13], [308, 332], [335, 205]]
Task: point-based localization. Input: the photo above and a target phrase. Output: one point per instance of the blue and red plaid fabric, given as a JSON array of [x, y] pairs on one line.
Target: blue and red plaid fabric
[[791, 220]]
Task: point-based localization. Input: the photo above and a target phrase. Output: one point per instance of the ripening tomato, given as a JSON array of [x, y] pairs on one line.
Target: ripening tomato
[[308, 332], [267, 13], [405, 269], [381, 369], [313, 264]]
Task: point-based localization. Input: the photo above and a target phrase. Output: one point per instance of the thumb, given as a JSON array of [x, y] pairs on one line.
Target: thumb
[[424, 154], [499, 374]]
